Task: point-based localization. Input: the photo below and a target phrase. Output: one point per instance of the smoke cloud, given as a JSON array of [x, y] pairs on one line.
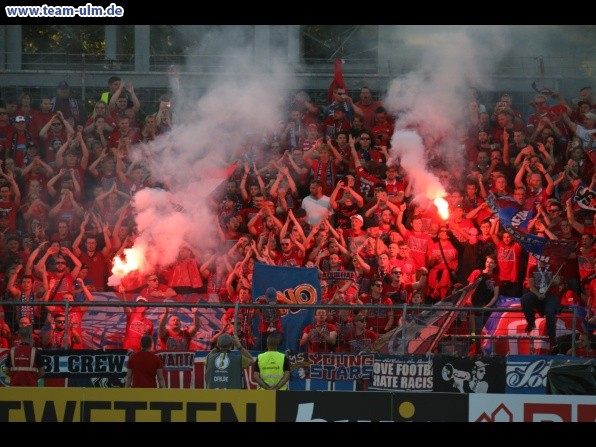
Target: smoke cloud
[[431, 100], [211, 130]]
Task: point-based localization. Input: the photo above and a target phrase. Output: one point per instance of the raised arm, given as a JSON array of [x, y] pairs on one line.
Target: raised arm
[[60, 153], [50, 185], [93, 168], [86, 291], [14, 187], [506, 160], [162, 329], [77, 242], [127, 309], [196, 322], [336, 155], [578, 226], [333, 198], [136, 104], [399, 221], [84, 151], [115, 97], [569, 123], [242, 186], [519, 177]]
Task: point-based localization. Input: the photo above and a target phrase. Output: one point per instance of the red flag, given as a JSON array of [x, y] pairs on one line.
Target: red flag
[[338, 80]]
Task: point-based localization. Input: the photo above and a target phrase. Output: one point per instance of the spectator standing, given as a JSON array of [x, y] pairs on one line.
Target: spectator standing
[[183, 274], [25, 365], [41, 117], [171, 336], [359, 339], [24, 294], [58, 337], [144, 367], [137, 324], [223, 369], [75, 314], [16, 338], [485, 296], [272, 368], [320, 335], [97, 260], [269, 317], [316, 204], [543, 296], [70, 106], [154, 290], [366, 107]]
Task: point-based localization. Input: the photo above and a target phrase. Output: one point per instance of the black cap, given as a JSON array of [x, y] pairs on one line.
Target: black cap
[[63, 84]]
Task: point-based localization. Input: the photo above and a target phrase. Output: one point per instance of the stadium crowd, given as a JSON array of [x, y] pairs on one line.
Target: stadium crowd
[[324, 191]]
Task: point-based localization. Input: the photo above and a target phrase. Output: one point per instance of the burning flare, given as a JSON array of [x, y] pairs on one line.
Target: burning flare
[[442, 206], [134, 260]]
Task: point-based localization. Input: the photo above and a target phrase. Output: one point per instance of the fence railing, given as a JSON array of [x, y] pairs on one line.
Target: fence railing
[[403, 310]]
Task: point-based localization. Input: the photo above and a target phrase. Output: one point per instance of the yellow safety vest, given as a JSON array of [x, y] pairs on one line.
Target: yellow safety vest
[[271, 368]]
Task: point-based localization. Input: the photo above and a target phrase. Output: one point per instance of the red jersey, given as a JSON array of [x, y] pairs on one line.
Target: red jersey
[[172, 341], [38, 121], [136, 326], [407, 267], [359, 342], [402, 293], [292, 259], [10, 210], [63, 283], [98, 268], [586, 263], [144, 365], [396, 186], [382, 133], [365, 183], [419, 247], [52, 143], [509, 260], [116, 136], [317, 342]]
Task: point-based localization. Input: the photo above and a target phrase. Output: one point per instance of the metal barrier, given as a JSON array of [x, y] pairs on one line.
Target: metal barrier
[[405, 309]]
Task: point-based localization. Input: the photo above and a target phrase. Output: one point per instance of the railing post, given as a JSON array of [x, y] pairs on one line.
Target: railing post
[[404, 319], [66, 324]]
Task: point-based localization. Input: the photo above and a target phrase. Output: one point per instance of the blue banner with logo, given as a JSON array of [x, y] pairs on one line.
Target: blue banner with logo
[[294, 285], [526, 374]]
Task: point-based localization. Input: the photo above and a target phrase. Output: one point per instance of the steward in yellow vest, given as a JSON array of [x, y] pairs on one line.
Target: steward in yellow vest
[[272, 369]]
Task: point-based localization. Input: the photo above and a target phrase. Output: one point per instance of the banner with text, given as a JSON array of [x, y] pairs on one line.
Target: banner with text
[[294, 285]]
